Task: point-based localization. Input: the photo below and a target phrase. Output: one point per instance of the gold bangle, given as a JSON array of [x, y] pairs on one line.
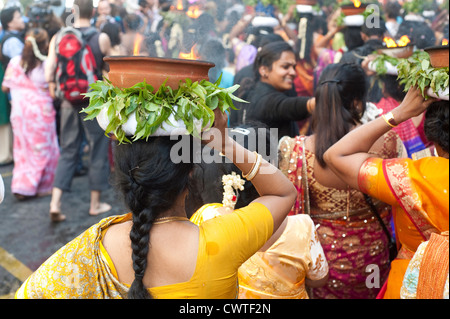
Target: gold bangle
[[255, 168], [389, 119], [254, 164]]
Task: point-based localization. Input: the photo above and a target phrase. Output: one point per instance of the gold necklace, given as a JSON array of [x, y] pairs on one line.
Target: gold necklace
[[164, 220]]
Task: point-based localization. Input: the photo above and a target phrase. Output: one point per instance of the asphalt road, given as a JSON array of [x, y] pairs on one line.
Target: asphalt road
[[28, 237]]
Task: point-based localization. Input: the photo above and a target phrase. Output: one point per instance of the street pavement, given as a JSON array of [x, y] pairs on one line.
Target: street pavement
[[28, 237]]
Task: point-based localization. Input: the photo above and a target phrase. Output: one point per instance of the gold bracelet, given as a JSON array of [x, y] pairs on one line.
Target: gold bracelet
[[254, 164], [255, 169], [389, 119]]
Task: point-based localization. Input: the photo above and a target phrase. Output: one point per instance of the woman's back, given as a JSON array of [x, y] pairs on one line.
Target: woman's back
[[189, 261]]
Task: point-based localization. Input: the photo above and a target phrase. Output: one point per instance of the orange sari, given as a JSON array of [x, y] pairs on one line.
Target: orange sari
[[418, 193]]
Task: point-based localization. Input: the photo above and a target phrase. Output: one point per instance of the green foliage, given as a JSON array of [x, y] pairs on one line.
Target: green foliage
[[417, 71], [282, 5], [379, 63], [193, 101], [418, 6]]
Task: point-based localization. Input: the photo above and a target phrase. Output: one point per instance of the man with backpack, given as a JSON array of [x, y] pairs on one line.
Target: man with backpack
[[75, 60]]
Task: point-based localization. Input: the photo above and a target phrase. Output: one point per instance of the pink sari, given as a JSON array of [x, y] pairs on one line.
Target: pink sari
[[36, 149]]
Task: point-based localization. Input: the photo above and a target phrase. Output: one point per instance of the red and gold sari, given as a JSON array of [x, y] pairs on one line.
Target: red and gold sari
[[350, 234], [418, 193]]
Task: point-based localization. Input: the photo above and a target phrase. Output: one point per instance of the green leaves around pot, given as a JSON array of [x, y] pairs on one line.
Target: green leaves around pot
[[380, 63], [191, 102], [417, 71]]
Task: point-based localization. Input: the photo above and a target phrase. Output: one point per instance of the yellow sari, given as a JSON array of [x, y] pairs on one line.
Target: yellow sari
[[83, 269], [418, 193]]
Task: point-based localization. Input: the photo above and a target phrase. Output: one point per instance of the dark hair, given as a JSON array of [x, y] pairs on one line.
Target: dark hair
[[419, 33], [132, 21], [7, 15], [208, 178], [86, 8], [149, 181], [309, 24], [392, 9], [392, 87], [342, 87], [373, 31], [352, 38], [113, 31], [213, 51], [436, 124], [255, 34], [268, 38], [29, 60]]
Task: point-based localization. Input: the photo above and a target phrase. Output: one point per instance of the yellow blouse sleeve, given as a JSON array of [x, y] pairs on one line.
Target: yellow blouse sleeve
[[240, 234]]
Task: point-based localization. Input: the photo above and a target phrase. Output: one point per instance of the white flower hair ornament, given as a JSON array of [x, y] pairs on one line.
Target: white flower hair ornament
[[231, 183], [36, 51]]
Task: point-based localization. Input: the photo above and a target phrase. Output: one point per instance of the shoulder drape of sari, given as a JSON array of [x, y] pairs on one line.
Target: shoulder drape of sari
[[77, 270], [418, 193], [280, 271], [427, 276], [292, 163]]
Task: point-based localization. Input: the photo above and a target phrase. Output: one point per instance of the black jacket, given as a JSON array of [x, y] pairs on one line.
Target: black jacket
[[276, 109]]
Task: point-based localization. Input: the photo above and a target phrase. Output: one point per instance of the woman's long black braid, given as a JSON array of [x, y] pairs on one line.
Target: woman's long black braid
[[149, 181]]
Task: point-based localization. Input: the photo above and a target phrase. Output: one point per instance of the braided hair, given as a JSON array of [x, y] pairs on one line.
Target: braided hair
[[149, 181]]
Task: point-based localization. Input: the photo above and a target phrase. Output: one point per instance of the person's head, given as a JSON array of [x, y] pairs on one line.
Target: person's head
[[340, 104], [392, 88], [84, 7], [370, 32], [419, 32], [113, 31], [35, 49], [11, 19], [352, 38], [254, 34], [213, 51], [150, 183], [392, 9], [275, 64], [104, 8], [436, 126], [132, 22]]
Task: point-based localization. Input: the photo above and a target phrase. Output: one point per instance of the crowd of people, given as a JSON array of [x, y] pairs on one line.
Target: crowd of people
[[348, 190]]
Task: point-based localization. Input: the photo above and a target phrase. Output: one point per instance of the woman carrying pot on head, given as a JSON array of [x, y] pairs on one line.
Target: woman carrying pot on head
[[155, 251], [292, 260], [267, 92], [417, 190], [350, 232]]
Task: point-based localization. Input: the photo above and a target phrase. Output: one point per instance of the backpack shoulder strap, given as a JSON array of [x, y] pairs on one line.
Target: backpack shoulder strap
[[65, 31], [89, 33]]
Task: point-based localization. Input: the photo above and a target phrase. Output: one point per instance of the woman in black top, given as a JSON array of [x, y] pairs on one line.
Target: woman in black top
[[272, 100]]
